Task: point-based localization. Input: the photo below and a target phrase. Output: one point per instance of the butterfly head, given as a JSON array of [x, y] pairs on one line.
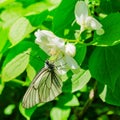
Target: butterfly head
[[49, 65]]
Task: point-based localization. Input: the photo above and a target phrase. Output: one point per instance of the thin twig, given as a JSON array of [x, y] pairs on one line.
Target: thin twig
[[89, 101]]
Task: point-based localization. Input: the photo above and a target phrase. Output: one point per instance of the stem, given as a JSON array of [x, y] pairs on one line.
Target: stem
[[89, 101]]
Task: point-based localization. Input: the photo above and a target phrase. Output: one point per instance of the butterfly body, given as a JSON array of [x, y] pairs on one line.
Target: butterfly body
[[45, 86]]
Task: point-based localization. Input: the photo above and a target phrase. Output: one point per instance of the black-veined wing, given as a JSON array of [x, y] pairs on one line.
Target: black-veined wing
[[45, 87]]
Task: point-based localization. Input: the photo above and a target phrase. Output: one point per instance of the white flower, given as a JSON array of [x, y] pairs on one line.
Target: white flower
[[66, 63], [70, 49], [50, 43], [55, 46], [84, 20]]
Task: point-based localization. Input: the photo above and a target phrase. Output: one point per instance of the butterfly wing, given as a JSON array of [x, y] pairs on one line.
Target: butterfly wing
[[44, 87], [50, 87]]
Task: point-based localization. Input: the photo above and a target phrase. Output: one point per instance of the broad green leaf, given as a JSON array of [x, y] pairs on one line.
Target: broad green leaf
[[38, 7], [16, 66], [35, 54], [11, 14], [115, 5], [80, 55], [68, 99], [77, 82], [37, 19], [64, 16], [109, 6], [59, 113], [19, 48], [80, 80], [111, 26], [106, 6], [104, 65], [109, 95], [5, 2], [19, 30]]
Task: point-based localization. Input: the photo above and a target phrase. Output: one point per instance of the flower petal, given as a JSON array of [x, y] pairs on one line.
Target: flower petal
[[93, 24], [49, 42], [71, 62], [70, 49], [81, 12]]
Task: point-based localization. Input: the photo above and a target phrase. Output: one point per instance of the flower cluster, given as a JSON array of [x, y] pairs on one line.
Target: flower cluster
[[86, 21], [56, 46]]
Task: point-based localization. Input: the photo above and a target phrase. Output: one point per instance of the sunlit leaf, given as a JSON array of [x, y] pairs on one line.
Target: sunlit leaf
[[111, 26], [104, 65], [77, 82], [19, 30], [68, 99], [9, 109], [59, 113], [26, 112], [80, 80], [16, 66], [38, 7], [10, 15], [30, 72], [5, 2]]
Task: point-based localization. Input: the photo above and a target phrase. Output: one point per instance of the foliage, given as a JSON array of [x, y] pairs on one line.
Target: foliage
[[92, 93]]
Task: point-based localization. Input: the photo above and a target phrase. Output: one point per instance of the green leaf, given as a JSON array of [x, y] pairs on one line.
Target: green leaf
[[80, 80], [80, 55], [64, 16], [19, 30], [9, 109], [38, 7], [43, 109], [5, 2], [106, 6], [77, 82], [37, 19], [59, 113], [30, 72], [11, 14], [67, 99], [115, 5], [104, 65], [26, 3], [111, 26], [16, 66], [27, 112], [109, 95]]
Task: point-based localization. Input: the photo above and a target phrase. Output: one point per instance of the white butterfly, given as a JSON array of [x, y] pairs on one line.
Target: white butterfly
[[45, 86]]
